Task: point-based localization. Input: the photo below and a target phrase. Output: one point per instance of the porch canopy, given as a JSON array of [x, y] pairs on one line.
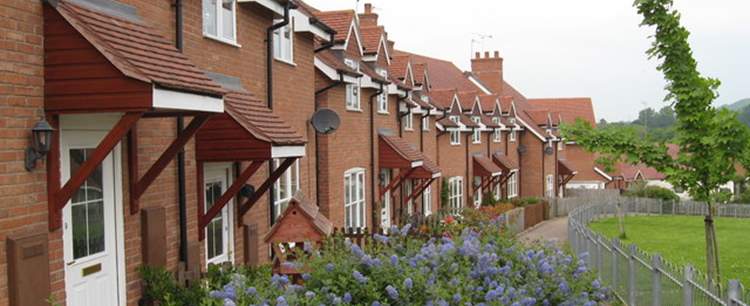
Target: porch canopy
[[509, 167], [102, 57], [485, 168], [566, 171], [247, 131]]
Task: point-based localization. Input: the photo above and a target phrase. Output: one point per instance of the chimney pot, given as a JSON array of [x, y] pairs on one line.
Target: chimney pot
[[368, 8], [487, 54], [497, 54], [477, 55]]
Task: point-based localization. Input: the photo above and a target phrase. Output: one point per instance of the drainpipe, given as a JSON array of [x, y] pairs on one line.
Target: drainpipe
[[469, 180], [421, 131], [181, 193], [317, 136], [329, 44], [269, 89], [373, 171]]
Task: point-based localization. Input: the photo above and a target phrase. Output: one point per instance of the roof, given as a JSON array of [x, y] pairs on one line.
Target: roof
[[371, 38], [369, 71], [429, 169], [339, 21], [488, 102], [538, 116], [565, 167], [335, 59], [443, 74], [419, 72], [467, 99], [442, 98], [135, 48], [505, 162], [569, 108], [448, 123], [483, 166], [253, 115], [319, 222], [398, 66], [629, 172], [403, 148]]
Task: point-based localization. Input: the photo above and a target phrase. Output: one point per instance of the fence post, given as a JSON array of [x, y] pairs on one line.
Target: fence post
[[687, 287], [631, 276], [656, 280], [599, 256], [734, 292], [615, 266]]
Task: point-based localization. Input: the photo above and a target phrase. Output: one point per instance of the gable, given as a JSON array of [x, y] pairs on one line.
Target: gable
[[353, 46]]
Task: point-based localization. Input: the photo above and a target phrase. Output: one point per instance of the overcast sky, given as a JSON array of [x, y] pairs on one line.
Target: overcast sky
[[572, 48]]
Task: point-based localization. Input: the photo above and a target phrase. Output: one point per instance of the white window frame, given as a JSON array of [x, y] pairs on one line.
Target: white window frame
[[476, 137], [426, 123], [353, 101], [561, 146], [427, 201], [513, 184], [290, 177], [408, 190], [408, 121], [219, 24], [354, 199], [455, 134], [497, 135], [512, 136], [283, 48], [383, 97], [549, 189], [456, 193]]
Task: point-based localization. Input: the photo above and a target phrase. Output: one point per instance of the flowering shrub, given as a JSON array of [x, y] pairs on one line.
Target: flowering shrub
[[478, 266]]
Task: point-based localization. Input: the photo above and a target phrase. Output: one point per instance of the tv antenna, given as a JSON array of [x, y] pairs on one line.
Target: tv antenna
[[478, 38]]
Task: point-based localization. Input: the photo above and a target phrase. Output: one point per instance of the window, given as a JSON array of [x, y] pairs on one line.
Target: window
[[283, 42], [426, 123], [352, 97], [285, 187], [455, 134], [383, 97], [512, 135], [427, 201], [354, 198], [219, 20], [497, 135], [408, 190], [408, 121], [455, 194], [513, 185], [549, 190], [477, 136]]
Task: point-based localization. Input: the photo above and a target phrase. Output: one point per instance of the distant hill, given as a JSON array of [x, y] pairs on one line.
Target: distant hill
[[739, 105]]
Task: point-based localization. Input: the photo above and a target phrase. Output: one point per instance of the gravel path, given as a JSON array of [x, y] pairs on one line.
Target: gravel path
[[555, 230]]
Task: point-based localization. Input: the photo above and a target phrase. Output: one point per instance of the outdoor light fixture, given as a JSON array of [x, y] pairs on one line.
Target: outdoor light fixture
[[41, 141], [477, 181], [247, 191], [383, 177]]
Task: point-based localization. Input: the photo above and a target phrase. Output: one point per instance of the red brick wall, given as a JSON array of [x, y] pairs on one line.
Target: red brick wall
[[532, 175]]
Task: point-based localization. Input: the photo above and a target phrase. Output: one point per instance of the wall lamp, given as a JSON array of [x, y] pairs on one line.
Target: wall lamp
[[41, 142]]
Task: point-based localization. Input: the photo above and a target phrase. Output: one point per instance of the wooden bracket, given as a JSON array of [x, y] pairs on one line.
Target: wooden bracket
[[265, 186], [231, 192], [420, 189], [397, 181], [63, 195], [565, 179], [169, 154]]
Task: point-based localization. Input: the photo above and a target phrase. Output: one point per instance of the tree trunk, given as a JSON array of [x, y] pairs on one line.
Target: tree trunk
[[712, 248], [621, 221]]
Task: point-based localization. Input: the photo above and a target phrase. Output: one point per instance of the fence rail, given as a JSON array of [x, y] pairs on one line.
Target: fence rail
[[639, 278]]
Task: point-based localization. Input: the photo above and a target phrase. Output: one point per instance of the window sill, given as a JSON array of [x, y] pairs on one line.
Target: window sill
[[456, 144], [354, 110], [222, 40], [285, 61], [409, 129], [383, 113]]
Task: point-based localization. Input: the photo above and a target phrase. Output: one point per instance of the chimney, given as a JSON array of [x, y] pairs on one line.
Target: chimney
[[368, 19], [489, 70]]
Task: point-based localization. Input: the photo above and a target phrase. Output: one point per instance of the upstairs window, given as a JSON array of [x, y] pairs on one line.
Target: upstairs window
[[283, 42], [497, 134], [512, 135], [219, 21], [426, 123], [352, 97], [455, 134], [383, 97], [476, 137], [408, 121]]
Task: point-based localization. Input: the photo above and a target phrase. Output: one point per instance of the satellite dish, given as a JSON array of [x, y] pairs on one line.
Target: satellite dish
[[549, 150], [325, 121]]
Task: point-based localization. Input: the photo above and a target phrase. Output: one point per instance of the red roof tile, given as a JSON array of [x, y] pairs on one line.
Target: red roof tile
[[506, 103], [448, 123], [488, 102], [570, 108], [339, 21], [403, 148], [398, 66], [467, 99], [442, 98], [505, 162], [484, 166], [565, 168], [371, 38], [259, 120], [137, 49], [311, 211], [419, 73], [538, 116], [443, 74], [429, 169]]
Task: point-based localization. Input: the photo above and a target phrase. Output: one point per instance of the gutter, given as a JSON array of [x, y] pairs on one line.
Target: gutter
[[373, 175], [329, 44]]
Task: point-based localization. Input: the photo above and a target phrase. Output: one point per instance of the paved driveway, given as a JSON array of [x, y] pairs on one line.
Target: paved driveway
[[555, 230]]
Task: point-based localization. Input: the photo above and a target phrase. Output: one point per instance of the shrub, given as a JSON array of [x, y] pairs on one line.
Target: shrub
[[652, 192], [489, 199], [526, 201], [743, 198]]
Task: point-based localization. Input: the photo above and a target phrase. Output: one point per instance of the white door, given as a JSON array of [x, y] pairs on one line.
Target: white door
[[385, 212], [218, 242], [91, 221]]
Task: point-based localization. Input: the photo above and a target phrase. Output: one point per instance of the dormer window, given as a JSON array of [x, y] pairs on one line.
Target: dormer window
[[477, 136], [512, 135], [497, 134], [283, 42], [219, 20], [455, 134], [354, 65], [383, 97]]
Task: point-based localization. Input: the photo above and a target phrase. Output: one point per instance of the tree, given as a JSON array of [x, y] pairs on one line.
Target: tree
[[711, 141]]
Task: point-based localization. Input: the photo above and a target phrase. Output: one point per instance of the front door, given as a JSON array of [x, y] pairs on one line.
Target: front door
[[385, 211], [219, 238], [90, 224]]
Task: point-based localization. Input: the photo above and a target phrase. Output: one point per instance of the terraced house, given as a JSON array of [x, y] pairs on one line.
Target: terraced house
[[174, 133]]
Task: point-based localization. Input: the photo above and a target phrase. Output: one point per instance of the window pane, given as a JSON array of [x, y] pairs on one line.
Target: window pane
[[80, 235], [209, 17], [95, 213], [295, 177], [227, 19], [347, 190], [361, 186]]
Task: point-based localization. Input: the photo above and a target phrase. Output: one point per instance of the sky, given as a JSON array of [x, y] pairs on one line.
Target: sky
[[574, 48]]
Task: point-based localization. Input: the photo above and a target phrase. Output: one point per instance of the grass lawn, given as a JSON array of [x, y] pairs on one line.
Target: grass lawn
[[681, 240]]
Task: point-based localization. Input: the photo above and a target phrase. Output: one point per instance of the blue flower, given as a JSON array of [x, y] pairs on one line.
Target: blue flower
[[330, 267], [456, 298], [306, 276], [251, 291], [408, 283], [347, 297], [309, 294], [392, 292], [359, 277], [381, 238], [376, 303], [405, 230], [394, 259]]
